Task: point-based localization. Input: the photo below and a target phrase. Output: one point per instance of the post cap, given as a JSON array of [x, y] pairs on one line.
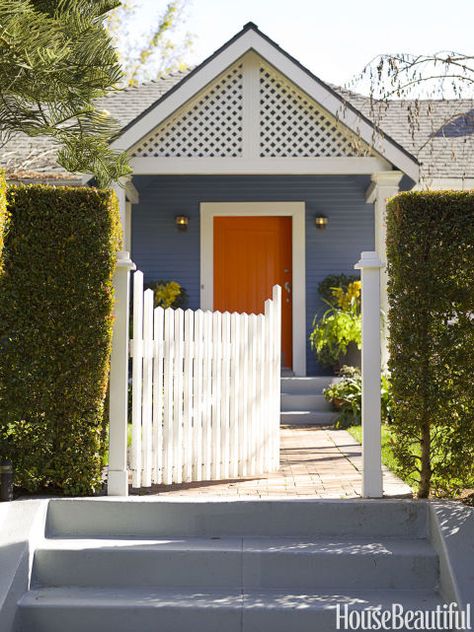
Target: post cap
[[124, 261], [369, 259]]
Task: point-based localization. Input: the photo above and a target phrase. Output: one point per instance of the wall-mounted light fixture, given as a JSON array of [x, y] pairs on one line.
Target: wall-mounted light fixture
[[321, 221], [182, 222]]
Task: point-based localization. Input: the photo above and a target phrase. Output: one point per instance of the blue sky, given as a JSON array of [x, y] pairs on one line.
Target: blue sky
[[335, 38]]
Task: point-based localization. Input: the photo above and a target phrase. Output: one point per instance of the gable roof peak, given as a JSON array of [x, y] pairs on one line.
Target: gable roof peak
[[250, 25], [252, 39]]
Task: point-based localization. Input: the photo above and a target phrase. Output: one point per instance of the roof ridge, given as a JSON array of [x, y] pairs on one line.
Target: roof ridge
[[367, 97]]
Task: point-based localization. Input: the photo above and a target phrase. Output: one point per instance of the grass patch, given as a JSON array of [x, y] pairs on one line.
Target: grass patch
[[388, 458]]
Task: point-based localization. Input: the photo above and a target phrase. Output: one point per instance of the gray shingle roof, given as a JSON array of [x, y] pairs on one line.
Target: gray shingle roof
[[442, 137], [437, 132]]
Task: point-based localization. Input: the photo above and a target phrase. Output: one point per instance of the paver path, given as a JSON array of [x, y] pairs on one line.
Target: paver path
[[315, 463]]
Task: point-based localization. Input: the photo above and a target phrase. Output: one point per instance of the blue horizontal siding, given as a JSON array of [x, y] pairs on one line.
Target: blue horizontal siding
[[163, 252]]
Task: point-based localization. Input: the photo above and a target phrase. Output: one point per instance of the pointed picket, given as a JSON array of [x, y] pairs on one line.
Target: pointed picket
[[137, 372], [168, 368], [225, 396], [216, 394], [207, 397], [158, 352], [259, 436], [268, 388], [178, 397], [147, 388], [234, 395], [276, 297], [198, 396], [252, 394], [244, 395], [188, 403]]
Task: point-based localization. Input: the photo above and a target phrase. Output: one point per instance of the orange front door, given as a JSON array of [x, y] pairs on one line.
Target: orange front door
[[251, 255]]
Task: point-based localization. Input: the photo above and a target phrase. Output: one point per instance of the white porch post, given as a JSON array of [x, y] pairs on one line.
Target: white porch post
[[120, 192], [384, 185], [127, 195], [118, 388], [370, 266]]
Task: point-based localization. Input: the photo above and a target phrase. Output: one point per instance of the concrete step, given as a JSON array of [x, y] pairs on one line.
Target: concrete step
[[307, 385], [238, 563], [129, 610], [302, 612], [307, 418], [305, 403], [154, 517], [171, 610], [178, 562]]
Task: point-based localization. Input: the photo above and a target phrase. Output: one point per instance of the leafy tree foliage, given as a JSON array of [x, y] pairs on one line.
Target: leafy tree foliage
[[406, 76], [57, 58], [148, 50], [419, 80]]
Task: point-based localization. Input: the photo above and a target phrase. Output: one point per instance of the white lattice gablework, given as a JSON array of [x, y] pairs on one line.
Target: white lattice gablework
[[210, 128], [293, 126], [251, 111]]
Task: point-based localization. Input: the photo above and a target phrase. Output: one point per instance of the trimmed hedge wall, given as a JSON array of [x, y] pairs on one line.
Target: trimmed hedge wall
[[430, 252], [55, 334], [3, 215]]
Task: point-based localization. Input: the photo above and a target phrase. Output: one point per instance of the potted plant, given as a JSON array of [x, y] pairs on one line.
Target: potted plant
[[336, 336], [345, 396]]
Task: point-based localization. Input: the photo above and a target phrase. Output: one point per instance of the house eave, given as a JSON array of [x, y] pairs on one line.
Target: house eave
[[261, 166]]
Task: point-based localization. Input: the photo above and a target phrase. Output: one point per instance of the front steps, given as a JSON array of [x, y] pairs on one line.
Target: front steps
[[303, 402], [176, 566]]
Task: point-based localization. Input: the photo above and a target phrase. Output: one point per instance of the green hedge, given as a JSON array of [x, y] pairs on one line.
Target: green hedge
[[55, 334], [3, 215], [430, 252]]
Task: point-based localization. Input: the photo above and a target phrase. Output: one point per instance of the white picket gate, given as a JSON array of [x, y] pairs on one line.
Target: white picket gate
[[205, 392]]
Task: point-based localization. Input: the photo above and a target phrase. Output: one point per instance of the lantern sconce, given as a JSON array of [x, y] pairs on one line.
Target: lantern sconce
[[320, 221], [182, 222]]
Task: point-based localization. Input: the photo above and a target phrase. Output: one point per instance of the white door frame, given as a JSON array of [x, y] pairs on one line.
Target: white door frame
[[295, 210]]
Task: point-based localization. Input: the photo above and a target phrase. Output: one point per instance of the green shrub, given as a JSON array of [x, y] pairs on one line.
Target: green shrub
[[55, 331], [339, 327], [430, 248], [3, 215], [346, 397], [327, 285]]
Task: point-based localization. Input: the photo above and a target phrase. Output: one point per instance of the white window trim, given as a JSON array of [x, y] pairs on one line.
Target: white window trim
[[295, 210]]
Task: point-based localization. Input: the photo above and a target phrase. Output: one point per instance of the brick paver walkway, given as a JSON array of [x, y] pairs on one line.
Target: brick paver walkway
[[315, 463]]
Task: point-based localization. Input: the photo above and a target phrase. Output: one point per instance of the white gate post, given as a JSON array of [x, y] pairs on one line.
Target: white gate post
[[372, 483], [117, 484]]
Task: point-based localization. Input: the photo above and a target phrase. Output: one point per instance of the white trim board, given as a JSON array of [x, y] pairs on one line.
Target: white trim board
[[258, 166], [295, 210], [251, 39]]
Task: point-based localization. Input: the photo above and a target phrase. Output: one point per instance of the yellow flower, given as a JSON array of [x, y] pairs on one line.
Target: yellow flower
[[349, 298], [167, 293]]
